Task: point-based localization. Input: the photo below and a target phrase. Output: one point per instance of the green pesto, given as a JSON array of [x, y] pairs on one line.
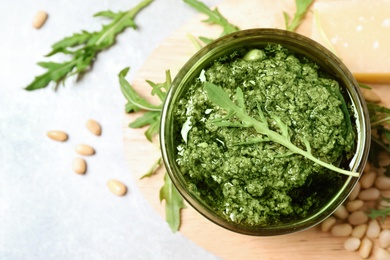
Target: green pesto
[[262, 183]]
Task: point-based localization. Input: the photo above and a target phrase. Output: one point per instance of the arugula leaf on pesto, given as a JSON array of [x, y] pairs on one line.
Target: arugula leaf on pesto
[[302, 8], [84, 47], [219, 97]]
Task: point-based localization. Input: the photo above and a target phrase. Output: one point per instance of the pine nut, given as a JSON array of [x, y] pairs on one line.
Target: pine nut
[[341, 230], [384, 238], [384, 161], [355, 192], [79, 165], [370, 95], [354, 205], [56, 135], [369, 194], [368, 179], [341, 212], [85, 149], [382, 183], [359, 231], [117, 187], [39, 19], [352, 244], [328, 223], [365, 248], [357, 218], [382, 254], [94, 127], [367, 168], [373, 229]]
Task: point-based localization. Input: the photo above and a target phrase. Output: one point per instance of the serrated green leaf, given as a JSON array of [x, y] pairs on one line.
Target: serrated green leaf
[[71, 41], [153, 169], [213, 17], [364, 86], [84, 47], [55, 73], [132, 96], [379, 213], [153, 130], [302, 6], [147, 118], [161, 89], [108, 14], [173, 203]]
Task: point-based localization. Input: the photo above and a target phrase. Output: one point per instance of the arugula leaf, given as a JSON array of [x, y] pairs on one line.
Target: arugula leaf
[[83, 47], [153, 169], [173, 203], [381, 213], [219, 97], [302, 8], [136, 102], [214, 17]]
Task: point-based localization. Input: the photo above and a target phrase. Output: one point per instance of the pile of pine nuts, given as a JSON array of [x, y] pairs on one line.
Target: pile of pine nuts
[[369, 237], [79, 164]]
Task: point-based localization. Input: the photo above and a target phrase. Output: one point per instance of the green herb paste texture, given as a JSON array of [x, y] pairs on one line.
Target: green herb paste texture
[[261, 183]]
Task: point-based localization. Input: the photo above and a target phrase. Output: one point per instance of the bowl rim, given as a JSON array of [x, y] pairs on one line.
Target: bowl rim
[[263, 36]]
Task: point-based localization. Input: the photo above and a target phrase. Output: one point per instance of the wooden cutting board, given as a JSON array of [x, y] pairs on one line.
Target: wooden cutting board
[[140, 154]]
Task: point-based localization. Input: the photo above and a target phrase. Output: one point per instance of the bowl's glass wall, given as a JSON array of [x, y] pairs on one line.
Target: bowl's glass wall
[[258, 38]]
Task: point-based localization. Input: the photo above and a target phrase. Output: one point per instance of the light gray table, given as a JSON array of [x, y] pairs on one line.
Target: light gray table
[[46, 210]]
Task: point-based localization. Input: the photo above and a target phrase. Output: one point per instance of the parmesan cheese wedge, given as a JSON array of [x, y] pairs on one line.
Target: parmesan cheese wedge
[[359, 34]]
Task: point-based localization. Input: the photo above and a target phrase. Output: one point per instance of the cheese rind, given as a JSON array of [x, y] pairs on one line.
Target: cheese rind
[[360, 34]]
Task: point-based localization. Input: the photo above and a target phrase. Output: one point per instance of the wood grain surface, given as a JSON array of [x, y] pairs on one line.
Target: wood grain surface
[[140, 154]]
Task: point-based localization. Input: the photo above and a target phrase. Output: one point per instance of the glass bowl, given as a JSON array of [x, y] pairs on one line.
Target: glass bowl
[[258, 38]]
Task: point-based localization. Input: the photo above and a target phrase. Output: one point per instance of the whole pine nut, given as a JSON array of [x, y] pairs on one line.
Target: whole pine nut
[[357, 218], [355, 192], [328, 223], [39, 19], [341, 212], [352, 244], [341, 230], [57, 135], [85, 149], [382, 183], [373, 229], [359, 231], [365, 248], [368, 179], [369, 194], [355, 205], [384, 238]]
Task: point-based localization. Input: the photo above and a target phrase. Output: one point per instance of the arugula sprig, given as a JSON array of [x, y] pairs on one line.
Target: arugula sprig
[[302, 8], [83, 48], [136, 103], [173, 203], [380, 213], [220, 98], [380, 137], [173, 200], [214, 17]]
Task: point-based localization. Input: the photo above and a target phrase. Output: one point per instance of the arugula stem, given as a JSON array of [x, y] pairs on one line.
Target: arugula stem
[[383, 120], [218, 96], [129, 15], [276, 137]]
